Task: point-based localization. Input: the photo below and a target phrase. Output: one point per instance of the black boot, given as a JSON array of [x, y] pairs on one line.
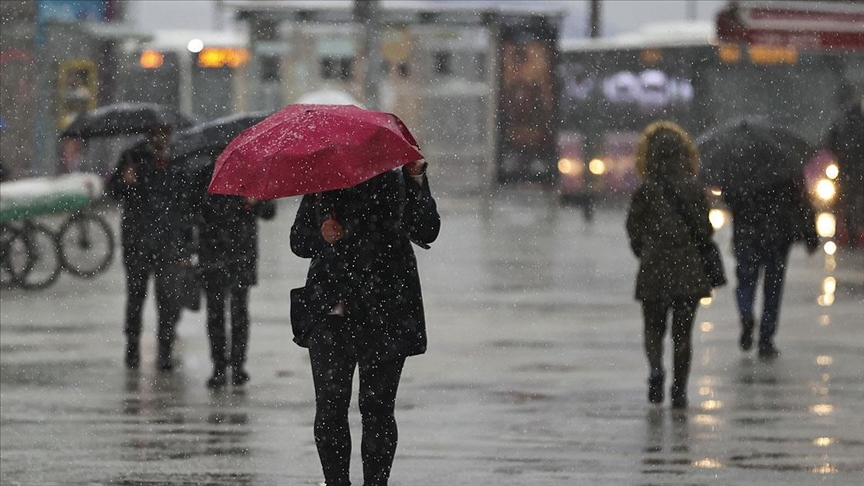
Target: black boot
[[679, 396], [164, 360], [746, 341], [239, 377], [655, 388], [133, 354], [218, 379], [768, 351]]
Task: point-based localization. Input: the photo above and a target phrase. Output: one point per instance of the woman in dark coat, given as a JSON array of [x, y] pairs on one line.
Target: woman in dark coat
[[671, 276], [228, 252], [364, 308]]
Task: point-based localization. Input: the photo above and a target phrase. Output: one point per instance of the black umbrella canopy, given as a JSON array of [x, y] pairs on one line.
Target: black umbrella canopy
[[124, 119], [213, 136], [751, 154]]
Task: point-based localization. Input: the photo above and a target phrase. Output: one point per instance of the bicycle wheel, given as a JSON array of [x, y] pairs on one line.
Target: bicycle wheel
[[45, 253], [86, 245], [15, 259]]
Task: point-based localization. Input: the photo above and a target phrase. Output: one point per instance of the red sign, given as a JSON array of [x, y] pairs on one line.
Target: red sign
[[803, 25]]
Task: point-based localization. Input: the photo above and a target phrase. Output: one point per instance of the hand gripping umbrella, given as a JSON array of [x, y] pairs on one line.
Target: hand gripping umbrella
[[303, 149]]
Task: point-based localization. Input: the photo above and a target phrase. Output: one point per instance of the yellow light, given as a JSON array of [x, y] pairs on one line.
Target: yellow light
[[825, 300], [705, 390], [706, 301], [708, 463], [712, 405], [822, 409], [566, 166], [824, 320], [597, 167], [717, 218], [824, 469], [729, 53], [716, 191], [824, 360], [214, 57], [830, 247], [826, 224], [706, 419], [773, 55], [823, 441], [829, 285], [825, 189], [151, 59], [832, 171], [706, 326]]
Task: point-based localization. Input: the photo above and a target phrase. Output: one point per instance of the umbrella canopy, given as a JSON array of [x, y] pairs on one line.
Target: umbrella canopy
[[303, 149], [124, 119], [213, 136], [751, 155]]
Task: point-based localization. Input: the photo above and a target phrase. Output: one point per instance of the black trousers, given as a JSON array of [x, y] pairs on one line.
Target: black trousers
[[139, 269], [332, 372], [656, 313], [217, 291]]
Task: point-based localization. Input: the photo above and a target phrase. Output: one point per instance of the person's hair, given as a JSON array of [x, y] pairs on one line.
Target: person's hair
[[665, 146]]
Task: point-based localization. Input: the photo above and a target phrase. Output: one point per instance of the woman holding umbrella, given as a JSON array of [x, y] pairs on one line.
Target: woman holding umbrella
[[365, 308]]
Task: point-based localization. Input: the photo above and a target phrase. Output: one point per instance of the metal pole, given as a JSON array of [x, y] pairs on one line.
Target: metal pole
[[367, 12], [594, 19]]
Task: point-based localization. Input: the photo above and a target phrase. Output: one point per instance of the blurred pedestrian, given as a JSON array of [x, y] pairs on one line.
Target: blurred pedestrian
[[765, 224], [228, 256], [666, 224], [364, 307], [156, 237], [845, 139]]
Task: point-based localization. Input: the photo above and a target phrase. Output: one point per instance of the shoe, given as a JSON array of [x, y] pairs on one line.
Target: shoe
[[239, 377], [165, 363], [746, 341], [768, 351], [679, 398], [133, 356], [655, 388], [217, 380]]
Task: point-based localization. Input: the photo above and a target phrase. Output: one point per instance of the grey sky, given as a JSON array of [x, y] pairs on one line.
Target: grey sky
[[618, 15]]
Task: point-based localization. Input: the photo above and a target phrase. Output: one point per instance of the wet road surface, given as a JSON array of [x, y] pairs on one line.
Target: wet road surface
[[535, 374]]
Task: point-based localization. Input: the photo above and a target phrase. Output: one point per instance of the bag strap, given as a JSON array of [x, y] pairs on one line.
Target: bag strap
[[678, 204]]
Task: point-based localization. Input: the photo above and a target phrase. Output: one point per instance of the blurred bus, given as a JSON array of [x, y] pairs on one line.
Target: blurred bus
[[202, 73], [612, 88]]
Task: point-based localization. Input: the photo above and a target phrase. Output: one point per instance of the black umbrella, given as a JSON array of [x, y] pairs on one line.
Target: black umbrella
[[124, 119], [212, 137], [750, 155]]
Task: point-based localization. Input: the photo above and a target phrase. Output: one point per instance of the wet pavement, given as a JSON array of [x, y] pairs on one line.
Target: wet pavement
[[534, 374]]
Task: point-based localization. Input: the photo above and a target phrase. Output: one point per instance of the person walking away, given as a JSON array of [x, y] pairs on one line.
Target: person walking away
[[671, 278], [228, 255], [845, 139], [765, 224], [156, 236], [365, 307]]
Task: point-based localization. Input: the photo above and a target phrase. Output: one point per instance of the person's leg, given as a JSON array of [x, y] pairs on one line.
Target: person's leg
[[137, 275], [215, 293], [167, 280], [654, 314], [239, 334], [379, 382], [747, 273], [332, 373], [775, 272], [683, 315]]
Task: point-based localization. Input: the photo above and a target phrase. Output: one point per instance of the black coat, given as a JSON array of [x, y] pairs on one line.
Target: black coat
[[228, 236], [157, 217], [372, 269]]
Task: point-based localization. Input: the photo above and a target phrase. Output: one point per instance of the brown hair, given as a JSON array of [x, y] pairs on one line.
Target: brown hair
[[665, 141]]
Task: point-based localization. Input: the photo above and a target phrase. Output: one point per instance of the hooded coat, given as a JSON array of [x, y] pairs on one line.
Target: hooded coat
[[372, 270], [670, 265]]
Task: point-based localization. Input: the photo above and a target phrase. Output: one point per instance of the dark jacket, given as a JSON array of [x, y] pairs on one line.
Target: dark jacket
[[773, 218], [372, 269], [228, 235], [156, 217]]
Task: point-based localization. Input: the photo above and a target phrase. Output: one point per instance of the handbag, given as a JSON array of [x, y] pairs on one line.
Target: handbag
[[301, 316], [712, 261]]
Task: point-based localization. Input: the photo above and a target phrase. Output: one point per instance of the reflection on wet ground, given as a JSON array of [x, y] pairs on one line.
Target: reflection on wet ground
[[534, 375]]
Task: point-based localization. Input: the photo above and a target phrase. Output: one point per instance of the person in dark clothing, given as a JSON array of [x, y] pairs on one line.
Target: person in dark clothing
[[228, 253], [365, 303], [156, 235], [671, 276], [845, 139], [764, 227]]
